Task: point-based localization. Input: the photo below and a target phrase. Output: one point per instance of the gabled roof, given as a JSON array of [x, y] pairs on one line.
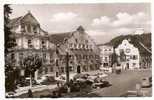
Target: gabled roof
[[60, 38], [27, 18], [16, 21]]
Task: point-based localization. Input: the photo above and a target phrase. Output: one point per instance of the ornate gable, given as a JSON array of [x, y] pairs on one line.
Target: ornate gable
[[29, 19]]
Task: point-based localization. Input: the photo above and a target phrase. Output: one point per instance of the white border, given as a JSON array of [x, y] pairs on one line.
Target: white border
[[2, 2]]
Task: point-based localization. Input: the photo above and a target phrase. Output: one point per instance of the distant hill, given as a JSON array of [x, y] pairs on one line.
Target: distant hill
[[145, 39]]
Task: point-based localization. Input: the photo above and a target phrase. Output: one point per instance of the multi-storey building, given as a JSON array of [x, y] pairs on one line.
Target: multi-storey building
[[106, 55], [83, 52], [31, 40], [128, 55]]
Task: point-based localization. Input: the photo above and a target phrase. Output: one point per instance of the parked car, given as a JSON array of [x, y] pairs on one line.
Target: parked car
[[101, 84], [26, 82], [106, 69], [48, 80], [10, 94], [145, 82], [61, 78]]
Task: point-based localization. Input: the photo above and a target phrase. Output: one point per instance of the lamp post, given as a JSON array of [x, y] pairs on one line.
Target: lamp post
[[67, 67]]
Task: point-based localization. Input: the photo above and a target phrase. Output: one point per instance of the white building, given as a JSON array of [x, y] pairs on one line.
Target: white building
[[106, 53], [128, 55]]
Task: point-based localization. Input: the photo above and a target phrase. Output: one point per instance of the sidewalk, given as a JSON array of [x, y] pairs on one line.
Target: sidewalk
[[24, 90]]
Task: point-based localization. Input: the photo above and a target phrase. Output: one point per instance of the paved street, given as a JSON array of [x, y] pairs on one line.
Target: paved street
[[121, 83]]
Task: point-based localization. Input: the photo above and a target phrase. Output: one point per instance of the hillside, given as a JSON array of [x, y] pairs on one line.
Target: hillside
[[145, 39]]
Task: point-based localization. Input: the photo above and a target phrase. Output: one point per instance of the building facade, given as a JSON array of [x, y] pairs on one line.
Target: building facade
[[106, 55], [82, 50], [31, 40], [128, 55]]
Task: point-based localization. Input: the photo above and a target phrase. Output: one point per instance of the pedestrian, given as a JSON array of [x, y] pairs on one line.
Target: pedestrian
[[30, 94]]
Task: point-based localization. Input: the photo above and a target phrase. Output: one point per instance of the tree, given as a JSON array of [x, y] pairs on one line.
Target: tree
[[9, 44], [32, 63], [8, 35]]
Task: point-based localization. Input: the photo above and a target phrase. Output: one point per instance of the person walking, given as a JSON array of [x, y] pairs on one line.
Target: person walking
[[30, 94]]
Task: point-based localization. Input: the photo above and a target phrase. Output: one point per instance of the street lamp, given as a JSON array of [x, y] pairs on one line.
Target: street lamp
[[67, 66]]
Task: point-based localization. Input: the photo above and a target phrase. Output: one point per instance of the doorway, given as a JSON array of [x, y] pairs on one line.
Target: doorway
[[78, 69]]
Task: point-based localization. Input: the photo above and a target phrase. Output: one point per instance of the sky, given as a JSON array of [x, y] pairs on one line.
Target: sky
[[102, 21]]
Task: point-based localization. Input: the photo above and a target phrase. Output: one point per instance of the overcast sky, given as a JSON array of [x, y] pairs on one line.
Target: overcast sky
[[101, 21]]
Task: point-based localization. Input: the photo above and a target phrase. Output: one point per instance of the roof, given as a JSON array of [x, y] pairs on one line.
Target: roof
[[16, 21], [60, 38]]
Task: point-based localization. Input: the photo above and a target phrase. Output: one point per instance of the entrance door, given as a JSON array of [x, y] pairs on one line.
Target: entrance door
[[78, 69]]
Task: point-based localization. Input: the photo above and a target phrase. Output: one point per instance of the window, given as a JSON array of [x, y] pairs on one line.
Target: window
[[76, 40], [70, 68], [30, 43], [79, 46], [127, 50], [75, 46], [29, 28], [86, 41], [134, 64], [86, 46], [35, 29], [43, 44], [20, 58], [62, 69], [106, 59], [105, 49], [23, 28], [12, 56], [44, 57], [51, 69], [83, 46], [135, 57], [20, 55]]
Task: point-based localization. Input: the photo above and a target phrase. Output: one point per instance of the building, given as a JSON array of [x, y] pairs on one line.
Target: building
[[82, 50], [31, 40], [128, 55], [106, 55]]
